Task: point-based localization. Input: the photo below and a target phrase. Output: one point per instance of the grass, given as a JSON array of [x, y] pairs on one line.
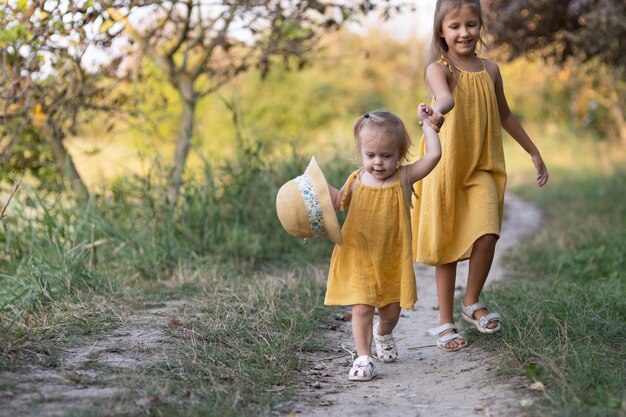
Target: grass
[[565, 303], [74, 272], [239, 354]]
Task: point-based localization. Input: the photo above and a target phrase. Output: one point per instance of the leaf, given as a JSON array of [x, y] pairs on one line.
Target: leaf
[[22, 5]]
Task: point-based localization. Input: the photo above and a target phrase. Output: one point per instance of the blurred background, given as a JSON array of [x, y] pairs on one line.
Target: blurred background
[[296, 87]]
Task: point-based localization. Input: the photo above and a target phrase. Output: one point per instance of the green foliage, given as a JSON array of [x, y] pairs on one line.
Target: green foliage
[[580, 97], [55, 248], [313, 108], [47, 253], [565, 311], [32, 158]]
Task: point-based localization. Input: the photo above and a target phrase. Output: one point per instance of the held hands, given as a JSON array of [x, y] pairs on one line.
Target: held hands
[[542, 171], [435, 118]]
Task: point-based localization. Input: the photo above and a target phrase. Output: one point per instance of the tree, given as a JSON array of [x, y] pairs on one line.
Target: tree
[[47, 89], [14, 88], [580, 33], [580, 29], [44, 87], [201, 46]]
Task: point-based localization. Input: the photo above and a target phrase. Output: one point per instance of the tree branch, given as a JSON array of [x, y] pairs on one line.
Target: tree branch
[[4, 209]]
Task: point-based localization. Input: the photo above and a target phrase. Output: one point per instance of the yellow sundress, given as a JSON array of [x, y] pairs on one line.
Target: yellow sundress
[[462, 198], [374, 265]]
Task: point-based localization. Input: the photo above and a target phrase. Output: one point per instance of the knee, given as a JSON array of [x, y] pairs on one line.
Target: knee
[[362, 311], [390, 314]]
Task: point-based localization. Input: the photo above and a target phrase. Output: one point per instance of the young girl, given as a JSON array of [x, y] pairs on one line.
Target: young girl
[[374, 268], [458, 210]]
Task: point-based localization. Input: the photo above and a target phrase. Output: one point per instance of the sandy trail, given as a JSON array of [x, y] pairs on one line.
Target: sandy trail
[[425, 381]]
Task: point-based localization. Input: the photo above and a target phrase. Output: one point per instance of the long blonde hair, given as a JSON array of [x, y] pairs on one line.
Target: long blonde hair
[[438, 46], [392, 127]]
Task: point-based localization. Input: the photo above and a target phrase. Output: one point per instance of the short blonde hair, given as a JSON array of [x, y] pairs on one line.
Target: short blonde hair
[[391, 126]]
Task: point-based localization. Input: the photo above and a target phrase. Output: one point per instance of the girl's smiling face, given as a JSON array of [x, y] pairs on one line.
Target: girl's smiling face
[[461, 30], [379, 152]]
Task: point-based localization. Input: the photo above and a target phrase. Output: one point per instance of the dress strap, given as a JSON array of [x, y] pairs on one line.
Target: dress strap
[[443, 61], [348, 188], [482, 62]]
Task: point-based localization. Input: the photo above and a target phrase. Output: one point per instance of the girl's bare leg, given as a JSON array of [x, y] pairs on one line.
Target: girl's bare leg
[[362, 322], [389, 316], [445, 276], [479, 266]]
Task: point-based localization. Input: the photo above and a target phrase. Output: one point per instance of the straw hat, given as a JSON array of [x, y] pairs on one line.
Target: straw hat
[[304, 206]]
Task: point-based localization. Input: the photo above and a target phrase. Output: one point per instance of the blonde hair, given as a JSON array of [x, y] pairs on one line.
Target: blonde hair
[[438, 46], [391, 126]]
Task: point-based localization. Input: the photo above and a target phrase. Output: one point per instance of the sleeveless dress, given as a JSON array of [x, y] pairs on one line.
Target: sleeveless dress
[[462, 198], [374, 266]]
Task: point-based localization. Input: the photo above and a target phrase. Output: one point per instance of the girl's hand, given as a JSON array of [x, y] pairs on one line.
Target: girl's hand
[[434, 118], [423, 111], [542, 171]]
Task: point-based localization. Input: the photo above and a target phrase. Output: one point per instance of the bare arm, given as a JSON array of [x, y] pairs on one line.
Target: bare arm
[[438, 82], [422, 167], [514, 128], [437, 78], [336, 196]]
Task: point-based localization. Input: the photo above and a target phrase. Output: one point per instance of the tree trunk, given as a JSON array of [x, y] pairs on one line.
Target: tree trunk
[[618, 117], [613, 105], [55, 137], [183, 144]]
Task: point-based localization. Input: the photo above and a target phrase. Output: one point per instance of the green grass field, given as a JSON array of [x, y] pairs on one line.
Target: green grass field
[[564, 303]]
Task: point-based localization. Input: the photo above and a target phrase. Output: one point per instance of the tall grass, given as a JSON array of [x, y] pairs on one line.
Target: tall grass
[[59, 250], [565, 305]]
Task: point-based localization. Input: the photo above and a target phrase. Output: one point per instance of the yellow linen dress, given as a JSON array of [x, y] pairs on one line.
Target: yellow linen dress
[[374, 265], [462, 198]]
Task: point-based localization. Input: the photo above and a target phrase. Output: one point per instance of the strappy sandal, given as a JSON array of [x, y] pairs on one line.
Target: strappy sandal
[[444, 339], [362, 369], [467, 312], [386, 349]]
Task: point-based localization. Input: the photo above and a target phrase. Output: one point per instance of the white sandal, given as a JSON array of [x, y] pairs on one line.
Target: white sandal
[[467, 312], [362, 369], [447, 338], [386, 349]]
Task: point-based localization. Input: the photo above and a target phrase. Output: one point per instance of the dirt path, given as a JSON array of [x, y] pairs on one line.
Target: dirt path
[[425, 381], [92, 374]]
